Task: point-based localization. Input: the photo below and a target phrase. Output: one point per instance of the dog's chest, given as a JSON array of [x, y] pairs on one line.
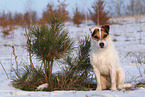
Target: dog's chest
[[103, 62]]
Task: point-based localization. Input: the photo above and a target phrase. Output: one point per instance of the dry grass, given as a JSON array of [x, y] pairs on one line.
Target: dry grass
[[138, 60], [114, 40]]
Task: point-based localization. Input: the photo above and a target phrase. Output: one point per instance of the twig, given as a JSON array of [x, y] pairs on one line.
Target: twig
[[28, 37], [4, 70], [15, 58], [125, 56]]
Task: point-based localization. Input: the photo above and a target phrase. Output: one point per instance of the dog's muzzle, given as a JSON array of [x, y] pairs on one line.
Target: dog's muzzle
[[102, 44]]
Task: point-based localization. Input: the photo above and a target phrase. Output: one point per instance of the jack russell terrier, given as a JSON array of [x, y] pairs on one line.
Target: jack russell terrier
[[105, 61]]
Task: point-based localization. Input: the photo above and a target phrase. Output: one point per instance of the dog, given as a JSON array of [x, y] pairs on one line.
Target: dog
[[105, 61]]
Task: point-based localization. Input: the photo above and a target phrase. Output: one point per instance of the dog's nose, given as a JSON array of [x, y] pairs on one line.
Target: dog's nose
[[101, 45]]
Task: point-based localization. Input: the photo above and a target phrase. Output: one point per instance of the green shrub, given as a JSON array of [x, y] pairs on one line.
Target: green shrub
[[50, 43], [76, 75]]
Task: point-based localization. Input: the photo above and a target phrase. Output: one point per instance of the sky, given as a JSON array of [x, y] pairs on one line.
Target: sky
[[40, 5]]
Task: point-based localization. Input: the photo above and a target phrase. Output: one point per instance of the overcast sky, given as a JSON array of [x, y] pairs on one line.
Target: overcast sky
[[39, 5]]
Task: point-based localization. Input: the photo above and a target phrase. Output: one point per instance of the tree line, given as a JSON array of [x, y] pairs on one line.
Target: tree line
[[126, 7], [118, 7]]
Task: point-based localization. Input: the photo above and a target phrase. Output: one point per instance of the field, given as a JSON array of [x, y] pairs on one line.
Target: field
[[128, 36]]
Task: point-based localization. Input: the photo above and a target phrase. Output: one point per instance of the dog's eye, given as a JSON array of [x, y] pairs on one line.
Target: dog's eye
[[96, 37], [105, 36]]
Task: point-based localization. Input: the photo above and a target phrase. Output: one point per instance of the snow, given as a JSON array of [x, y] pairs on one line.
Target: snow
[[129, 33], [41, 87]]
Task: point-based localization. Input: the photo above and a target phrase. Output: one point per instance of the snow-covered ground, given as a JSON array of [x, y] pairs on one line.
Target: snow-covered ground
[[129, 39]]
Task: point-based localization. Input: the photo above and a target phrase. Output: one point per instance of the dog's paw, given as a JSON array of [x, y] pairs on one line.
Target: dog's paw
[[113, 89], [119, 88], [98, 89]]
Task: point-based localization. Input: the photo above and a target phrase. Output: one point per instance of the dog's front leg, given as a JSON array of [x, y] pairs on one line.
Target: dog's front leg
[[97, 73], [113, 79]]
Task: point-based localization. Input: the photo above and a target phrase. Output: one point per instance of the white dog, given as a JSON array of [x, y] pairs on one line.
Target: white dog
[[105, 61]]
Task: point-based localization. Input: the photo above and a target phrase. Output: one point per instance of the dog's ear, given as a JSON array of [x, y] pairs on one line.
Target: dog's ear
[[106, 27]]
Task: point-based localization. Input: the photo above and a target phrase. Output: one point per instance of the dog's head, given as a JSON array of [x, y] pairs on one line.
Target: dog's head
[[100, 35]]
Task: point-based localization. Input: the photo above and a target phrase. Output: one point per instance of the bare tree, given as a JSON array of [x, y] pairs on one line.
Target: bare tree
[[131, 8], [27, 18], [118, 7], [30, 12], [18, 18], [140, 4], [136, 7], [85, 3], [10, 19]]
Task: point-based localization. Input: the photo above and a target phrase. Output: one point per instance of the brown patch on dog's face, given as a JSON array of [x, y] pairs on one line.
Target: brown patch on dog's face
[[97, 35], [100, 36]]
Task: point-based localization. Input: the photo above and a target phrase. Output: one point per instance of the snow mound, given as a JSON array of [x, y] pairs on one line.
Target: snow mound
[[41, 87], [127, 85]]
